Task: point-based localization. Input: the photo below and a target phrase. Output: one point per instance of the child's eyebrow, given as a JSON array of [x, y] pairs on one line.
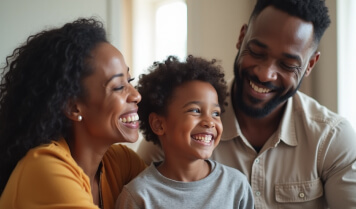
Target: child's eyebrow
[[192, 102], [198, 102]]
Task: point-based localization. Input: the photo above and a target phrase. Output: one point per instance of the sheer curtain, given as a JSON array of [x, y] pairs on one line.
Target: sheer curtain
[[346, 59]]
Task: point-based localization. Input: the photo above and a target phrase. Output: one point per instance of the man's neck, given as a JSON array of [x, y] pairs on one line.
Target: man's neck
[[258, 130]]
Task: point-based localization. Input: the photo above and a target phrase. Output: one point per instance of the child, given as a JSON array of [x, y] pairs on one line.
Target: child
[[180, 110]]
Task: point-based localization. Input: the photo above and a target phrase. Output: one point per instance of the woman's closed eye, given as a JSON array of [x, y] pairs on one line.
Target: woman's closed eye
[[118, 88]]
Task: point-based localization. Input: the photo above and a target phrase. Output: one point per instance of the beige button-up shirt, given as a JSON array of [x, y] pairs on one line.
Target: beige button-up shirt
[[308, 163]]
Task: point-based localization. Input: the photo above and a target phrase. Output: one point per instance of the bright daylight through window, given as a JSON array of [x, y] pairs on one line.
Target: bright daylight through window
[[346, 59]]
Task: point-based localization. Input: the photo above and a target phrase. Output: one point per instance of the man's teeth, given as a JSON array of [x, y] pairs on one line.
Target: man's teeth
[[203, 138], [259, 90], [129, 119]]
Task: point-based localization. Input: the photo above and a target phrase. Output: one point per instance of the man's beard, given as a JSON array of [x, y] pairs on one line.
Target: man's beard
[[266, 109]]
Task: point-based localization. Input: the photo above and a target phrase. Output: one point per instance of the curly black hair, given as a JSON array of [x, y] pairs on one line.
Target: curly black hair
[[314, 11], [156, 87], [39, 78]]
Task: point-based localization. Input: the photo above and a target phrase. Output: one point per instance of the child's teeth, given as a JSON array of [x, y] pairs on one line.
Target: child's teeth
[[206, 138]]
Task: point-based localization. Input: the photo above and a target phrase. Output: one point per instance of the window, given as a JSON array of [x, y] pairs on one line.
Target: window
[[171, 30], [346, 55], [159, 30]]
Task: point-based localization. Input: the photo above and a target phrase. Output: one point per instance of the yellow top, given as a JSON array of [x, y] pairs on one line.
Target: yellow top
[[49, 178]]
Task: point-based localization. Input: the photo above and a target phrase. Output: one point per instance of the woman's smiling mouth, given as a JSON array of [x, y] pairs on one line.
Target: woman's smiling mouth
[[129, 118]]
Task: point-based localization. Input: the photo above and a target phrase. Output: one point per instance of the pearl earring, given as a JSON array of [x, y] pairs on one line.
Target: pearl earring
[[80, 118]]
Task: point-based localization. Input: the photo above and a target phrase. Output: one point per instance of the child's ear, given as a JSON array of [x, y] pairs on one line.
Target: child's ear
[[72, 111], [156, 123]]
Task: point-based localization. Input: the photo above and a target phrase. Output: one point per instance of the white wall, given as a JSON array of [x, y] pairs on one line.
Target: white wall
[[324, 75], [214, 27], [21, 18]]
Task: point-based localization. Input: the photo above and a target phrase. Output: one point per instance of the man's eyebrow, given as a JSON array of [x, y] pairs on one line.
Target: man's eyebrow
[[293, 56], [258, 43]]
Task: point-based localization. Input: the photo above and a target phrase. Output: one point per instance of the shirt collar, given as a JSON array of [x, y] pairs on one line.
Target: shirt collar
[[228, 118], [286, 131]]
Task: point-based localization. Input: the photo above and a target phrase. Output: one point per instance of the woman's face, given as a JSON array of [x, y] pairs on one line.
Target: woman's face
[[109, 107]]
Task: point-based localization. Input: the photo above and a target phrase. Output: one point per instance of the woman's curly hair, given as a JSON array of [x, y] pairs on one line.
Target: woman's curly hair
[[156, 87], [39, 78]]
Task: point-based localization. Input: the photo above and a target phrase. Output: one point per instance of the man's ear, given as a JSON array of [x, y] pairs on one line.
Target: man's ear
[[312, 61], [243, 32], [156, 122], [72, 111]]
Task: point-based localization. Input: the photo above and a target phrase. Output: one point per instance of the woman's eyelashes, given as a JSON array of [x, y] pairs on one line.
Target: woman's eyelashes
[[118, 88], [130, 79]]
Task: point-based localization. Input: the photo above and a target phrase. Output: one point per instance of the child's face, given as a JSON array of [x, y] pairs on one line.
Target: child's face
[[192, 126]]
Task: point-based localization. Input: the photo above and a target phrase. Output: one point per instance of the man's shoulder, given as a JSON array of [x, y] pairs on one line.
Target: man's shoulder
[[312, 110]]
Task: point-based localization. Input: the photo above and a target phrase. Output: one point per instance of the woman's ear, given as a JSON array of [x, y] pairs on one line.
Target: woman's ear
[[156, 123], [72, 111]]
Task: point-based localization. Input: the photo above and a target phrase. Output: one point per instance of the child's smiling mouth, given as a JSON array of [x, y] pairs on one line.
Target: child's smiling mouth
[[206, 138]]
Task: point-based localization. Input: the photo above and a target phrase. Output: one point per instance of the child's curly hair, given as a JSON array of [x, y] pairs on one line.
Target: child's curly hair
[[156, 87]]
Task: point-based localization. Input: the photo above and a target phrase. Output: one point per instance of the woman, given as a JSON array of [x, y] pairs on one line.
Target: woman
[[66, 98]]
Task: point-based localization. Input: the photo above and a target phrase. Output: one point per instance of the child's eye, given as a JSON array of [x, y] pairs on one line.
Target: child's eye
[[216, 114], [194, 110]]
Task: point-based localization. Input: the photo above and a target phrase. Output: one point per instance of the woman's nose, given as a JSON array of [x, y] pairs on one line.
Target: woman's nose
[[134, 96]]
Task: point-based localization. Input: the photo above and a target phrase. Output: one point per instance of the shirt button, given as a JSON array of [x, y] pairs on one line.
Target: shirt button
[[258, 193], [257, 161], [301, 195]]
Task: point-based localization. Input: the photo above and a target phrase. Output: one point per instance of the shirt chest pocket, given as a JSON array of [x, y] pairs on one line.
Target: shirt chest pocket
[[298, 191]]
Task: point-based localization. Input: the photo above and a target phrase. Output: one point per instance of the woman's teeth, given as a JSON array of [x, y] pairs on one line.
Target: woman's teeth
[[129, 118], [259, 90]]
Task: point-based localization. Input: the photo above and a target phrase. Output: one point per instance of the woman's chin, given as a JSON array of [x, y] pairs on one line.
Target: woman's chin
[[129, 137]]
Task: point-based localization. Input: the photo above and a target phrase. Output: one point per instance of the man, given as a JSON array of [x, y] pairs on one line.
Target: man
[[295, 152]]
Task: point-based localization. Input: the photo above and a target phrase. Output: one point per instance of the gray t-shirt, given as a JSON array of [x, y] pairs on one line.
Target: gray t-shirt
[[224, 187]]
